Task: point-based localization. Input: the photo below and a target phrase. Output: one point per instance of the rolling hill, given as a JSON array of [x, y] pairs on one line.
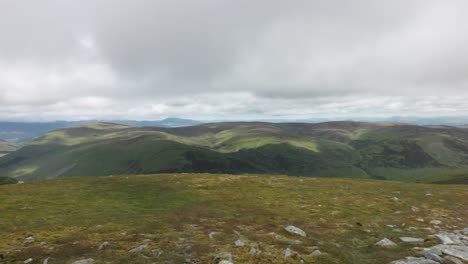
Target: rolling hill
[[6, 147], [332, 149], [24, 132]]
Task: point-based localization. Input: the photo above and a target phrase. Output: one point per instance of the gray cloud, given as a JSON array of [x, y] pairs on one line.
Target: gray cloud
[[232, 59]]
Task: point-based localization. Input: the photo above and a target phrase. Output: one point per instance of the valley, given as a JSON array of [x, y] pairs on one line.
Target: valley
[[385, 151]]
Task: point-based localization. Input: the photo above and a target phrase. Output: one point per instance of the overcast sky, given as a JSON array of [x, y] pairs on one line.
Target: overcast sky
[[232, 59]]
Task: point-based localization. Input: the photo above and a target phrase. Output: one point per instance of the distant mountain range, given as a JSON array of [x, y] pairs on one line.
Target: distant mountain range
[[21, 132], [331, 149]]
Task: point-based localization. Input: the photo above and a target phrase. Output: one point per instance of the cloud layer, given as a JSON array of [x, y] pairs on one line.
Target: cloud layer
[[225, 59]]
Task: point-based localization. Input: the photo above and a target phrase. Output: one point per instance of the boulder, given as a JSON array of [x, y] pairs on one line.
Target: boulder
[[451, 260], [460, 252], [447, 238], [432, 256], [411, 260]]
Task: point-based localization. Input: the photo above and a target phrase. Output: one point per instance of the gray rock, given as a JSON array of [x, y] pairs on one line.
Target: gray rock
[[43, 244], [227, 256], [451, 260], [464, 231], [28, 240], [46, 261], [252, 251], [212, 235], [414, 261], [239, 243], [316, 253], [437, 249], [225, 262], [460, 252], [29, 260], [84, 261], [386, 243], [411, 240], [137, 249], [435, 222], [295, 230], [288, 252], [432, 256], [104, 245], [447, 238]]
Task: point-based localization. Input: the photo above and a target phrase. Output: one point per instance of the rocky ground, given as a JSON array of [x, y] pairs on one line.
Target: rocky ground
[[198, 218], [452, 249]]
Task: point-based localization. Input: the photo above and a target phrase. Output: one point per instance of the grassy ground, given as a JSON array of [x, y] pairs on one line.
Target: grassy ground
[[175, 213]]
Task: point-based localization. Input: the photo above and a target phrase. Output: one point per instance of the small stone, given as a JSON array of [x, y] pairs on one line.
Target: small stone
[[225, 262], [288, 252], [227, 256], [386, 243], [29, 260], [395, 199], [252, 251], [137, 249], [46, 261], [420, 220], [295, 230], [84, 261], [104, 245], [42, 244], [316, 253], [411, 240], [28, 240], [414, 209], [212, 235], [435, 222], [239, 243]]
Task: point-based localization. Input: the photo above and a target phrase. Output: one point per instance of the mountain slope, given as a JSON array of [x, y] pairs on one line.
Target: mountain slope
[[24, 132], [6, 147], [333, 149], [176, 214]]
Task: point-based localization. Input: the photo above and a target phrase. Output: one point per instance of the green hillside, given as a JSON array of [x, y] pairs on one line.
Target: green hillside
[[333, 149], [175, 215], [6, 147]]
